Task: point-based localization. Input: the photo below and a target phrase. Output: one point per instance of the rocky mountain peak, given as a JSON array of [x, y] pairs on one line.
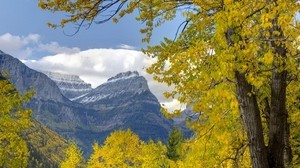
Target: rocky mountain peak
[[121, 103], [62, 76], [70, 85], [123, 75], [26, 79], [126, 85]]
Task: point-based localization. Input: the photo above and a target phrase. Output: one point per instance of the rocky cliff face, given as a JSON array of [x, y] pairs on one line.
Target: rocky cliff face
[[49, 106], [70, 86], [25, 79], [123, 102], [119, 89]]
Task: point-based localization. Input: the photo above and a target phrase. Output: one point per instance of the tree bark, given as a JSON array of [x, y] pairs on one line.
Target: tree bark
[[250, 115], [287, 147], [278, 119], [278, 125]]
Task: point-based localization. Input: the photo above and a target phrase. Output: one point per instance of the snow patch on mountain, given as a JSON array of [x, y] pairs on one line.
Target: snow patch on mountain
[[123, 76], [126, 84], [71, 86]]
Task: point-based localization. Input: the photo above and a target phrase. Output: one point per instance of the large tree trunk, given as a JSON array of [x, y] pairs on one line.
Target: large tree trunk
[[278, 125], [252, 121], [278, 119], [287, 147]]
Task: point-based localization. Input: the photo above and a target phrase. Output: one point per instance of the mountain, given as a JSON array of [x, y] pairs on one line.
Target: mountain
[[49, 106], [70, 86], [117, 90], [25, 79], [187, 115], [46, 148], [123, 102]]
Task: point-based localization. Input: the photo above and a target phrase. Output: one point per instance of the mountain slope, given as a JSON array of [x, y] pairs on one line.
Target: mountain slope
[[126, 102], [123, 102], [70, 86], [48, 105], [25, 79], [47, 148]]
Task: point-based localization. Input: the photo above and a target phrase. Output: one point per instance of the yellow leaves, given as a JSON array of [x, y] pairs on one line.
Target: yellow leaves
[[228, 2], [266, 20], [255, 80], [73, 157], [124, 149], [120, 149], [268, 58], [220, 142], [13, 120], [153, 155], [115, 20], [241, 34]]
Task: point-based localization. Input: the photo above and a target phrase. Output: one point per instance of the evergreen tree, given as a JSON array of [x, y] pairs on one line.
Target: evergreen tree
[[174, 145]]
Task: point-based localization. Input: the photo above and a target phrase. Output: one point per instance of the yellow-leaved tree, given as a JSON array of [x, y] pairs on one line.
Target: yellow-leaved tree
[[125, 149], [235, 61], [73, 157], [120, 149], [13, 120]]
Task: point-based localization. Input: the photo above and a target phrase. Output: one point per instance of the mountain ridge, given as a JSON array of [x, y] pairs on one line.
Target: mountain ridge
[[70, 86], [131, 105]]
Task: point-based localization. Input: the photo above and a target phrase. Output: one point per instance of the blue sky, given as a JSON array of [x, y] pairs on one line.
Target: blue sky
[[23, 17], [94, 54]]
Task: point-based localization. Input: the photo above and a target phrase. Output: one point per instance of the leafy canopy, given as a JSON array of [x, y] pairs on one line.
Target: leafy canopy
[[125, 149], [73, 158], [13, 120], [220, 40]]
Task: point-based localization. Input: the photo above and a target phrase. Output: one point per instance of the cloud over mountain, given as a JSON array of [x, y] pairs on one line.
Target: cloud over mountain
[[95, 66]]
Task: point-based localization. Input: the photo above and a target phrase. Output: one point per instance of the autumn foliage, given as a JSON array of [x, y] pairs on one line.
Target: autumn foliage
[[235, 61], [14, 119]]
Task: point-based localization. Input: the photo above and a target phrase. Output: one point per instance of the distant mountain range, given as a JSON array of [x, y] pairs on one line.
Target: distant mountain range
[[123, 102], [70, 86]]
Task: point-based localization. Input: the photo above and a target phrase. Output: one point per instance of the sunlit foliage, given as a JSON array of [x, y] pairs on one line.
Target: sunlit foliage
[[73, 158], [120, 149], [236, 62], [125, 149], [13, 120]]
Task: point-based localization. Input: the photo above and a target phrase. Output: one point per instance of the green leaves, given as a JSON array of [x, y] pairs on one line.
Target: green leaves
[[174, 145]]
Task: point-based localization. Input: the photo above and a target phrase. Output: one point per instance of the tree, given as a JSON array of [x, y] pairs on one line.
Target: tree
[[73, 157], [13, 120], [228, 56], [120, 149], [125, 149], [153, 155], [175, 141]]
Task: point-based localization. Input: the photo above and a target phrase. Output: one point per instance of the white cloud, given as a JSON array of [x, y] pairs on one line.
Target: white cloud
[[95, 66], [125, 46], [18, 45], [55, 48], [173, 105], [25, 46]]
